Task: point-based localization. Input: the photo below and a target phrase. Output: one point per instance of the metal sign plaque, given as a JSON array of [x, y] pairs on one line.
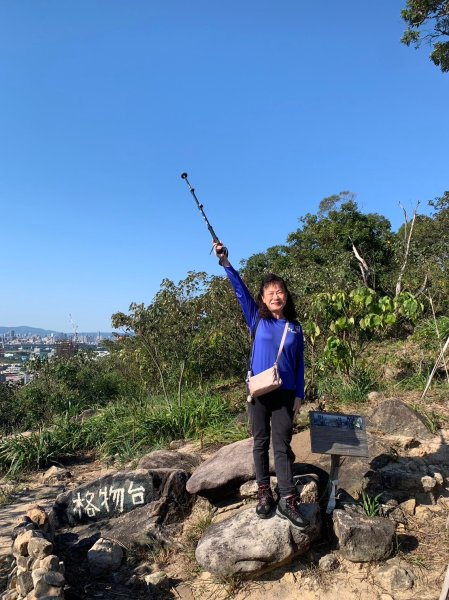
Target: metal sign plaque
[[335, 433]]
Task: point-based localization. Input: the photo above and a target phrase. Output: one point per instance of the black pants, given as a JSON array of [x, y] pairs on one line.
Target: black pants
[[273, 413]]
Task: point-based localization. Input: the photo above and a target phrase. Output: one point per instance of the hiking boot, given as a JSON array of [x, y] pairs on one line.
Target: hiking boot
[[266, 501], [288, 508]]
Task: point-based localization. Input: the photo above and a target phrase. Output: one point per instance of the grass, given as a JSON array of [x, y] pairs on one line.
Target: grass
[[124, 429], [371, 505], [341, 392], [433, 419]]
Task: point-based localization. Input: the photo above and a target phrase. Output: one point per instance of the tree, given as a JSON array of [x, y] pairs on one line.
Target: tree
[[428, 261], [419, 14], [190, 332], [322, 249]]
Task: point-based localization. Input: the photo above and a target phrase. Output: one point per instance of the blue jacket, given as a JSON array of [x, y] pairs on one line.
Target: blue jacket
[[268, 338]]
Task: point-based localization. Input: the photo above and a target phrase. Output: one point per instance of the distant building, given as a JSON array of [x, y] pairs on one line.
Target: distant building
[[66, 348]]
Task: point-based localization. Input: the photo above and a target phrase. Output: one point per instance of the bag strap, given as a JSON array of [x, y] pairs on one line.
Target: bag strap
[[281, 347], [253, 336]]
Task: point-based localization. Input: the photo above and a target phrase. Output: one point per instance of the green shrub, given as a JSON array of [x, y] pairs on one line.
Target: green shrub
[[9, 413], [63, 386]]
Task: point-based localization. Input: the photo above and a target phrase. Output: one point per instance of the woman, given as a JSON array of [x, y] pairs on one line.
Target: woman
[[273, 412]]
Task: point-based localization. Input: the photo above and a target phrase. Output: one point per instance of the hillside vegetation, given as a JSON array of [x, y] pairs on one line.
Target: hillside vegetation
[[373, 303]]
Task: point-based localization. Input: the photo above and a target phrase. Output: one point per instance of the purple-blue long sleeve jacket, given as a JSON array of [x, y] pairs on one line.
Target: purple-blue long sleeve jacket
[[268, 339]]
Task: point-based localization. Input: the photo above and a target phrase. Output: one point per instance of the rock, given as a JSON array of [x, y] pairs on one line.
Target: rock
[[395, 576], [404, 478], [104, 556], [362, 538], [20, 546], [112, 495], [246, 544], [307, 488], [428, 483], [169, 459], [38, 516], [373, 396], [408, 506], [390, 373], [24, 524], [47, 582], [397, 418], [39, 547], [146, 523], [225, 471], [329, 562], [155, 578], [24, 583], [184, 592], [107, 496], [56, 474], [249, 489], [24, 562], [86, 414], [50, 562]]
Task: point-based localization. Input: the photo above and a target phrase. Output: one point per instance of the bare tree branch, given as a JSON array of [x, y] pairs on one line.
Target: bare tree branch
[[363, 265], [422, 289], [408, 238]]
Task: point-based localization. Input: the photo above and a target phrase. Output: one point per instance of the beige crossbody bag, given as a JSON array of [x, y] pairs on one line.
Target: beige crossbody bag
[[267, 380]]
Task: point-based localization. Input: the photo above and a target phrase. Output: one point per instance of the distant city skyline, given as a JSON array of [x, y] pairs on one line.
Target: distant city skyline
[[27, 329], [269, 107]]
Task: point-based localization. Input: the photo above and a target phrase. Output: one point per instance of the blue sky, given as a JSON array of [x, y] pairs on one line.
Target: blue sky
[[269, 106]]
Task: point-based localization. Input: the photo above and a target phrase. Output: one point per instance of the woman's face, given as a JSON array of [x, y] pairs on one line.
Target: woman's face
[[275, 298]]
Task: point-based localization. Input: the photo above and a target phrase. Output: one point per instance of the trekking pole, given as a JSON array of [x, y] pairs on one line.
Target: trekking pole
[[215, 238]]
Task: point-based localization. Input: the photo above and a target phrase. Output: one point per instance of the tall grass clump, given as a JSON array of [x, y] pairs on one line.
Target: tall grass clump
[[123, 429], [128, 429], [38, 449]]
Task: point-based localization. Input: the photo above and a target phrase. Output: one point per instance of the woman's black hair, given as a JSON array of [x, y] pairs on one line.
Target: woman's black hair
[[289, 308]]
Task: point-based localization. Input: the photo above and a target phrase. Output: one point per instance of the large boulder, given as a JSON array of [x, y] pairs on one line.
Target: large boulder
[[119, 493], [245, 544], [394, 417], [362, 538], [225, 471], [156, 520]]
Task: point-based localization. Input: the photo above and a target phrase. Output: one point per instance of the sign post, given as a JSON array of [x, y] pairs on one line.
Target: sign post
[[338, 435]]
